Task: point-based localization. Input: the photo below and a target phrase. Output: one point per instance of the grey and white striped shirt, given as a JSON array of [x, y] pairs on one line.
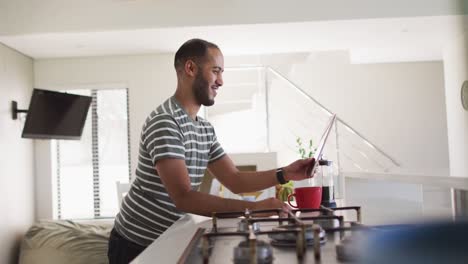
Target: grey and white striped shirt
[[168, 132]]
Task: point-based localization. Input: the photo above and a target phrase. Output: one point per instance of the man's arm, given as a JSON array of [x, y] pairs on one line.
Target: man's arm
[[175, 178], [239, 182]]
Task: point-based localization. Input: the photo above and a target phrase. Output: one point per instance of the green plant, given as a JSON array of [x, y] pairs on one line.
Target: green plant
[[303, 151], [284, 190]]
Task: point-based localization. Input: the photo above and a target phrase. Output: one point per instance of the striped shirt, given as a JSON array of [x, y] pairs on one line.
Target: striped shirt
[[168, 132]]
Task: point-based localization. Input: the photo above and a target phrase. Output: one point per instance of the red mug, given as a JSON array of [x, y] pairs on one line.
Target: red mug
[[306, 197]]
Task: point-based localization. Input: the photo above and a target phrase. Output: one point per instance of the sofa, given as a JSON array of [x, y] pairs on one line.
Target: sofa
[[66, 241]]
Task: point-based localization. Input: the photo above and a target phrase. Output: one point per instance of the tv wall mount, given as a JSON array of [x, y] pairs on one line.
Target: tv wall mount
[[15, 110]]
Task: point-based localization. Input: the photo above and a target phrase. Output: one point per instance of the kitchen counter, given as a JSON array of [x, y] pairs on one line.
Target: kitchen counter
[[171, 244], [460, 183], [407, 195]]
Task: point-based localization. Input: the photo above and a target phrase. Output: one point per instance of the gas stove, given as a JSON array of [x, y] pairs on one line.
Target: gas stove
[[299, 236]]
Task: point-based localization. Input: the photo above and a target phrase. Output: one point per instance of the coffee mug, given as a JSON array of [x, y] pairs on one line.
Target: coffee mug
[[306, 197]]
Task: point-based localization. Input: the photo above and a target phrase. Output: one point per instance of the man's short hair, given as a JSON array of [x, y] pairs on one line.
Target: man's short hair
[[193, 49]]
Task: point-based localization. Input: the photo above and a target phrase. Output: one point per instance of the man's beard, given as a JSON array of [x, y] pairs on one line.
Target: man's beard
[[200, 90]]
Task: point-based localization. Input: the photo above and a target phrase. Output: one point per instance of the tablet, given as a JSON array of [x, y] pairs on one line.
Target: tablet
[[320, 147]]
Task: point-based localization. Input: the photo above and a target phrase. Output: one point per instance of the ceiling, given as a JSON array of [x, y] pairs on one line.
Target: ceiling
[[58, 29]]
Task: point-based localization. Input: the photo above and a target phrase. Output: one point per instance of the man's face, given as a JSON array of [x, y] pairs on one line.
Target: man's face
[[209, 77]]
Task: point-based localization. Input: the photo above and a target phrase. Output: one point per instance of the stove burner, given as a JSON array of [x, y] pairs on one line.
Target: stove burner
[[290, 238], [243, 226], [285, 243], [298, 233], [327, 223], [263, 250]]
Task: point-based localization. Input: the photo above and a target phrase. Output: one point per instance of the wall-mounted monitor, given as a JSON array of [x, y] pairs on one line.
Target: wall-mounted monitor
[[56, 115]]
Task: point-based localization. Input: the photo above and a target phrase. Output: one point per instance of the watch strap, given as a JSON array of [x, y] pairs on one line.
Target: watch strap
[[280, 176]]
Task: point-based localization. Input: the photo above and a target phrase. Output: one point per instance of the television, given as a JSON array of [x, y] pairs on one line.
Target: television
[[56, 115]]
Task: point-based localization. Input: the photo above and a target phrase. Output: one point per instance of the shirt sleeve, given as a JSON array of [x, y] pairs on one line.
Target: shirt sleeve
[[216, 151], [163, 138]]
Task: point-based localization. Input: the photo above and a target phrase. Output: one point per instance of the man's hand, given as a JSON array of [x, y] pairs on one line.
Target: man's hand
[[299, 170]]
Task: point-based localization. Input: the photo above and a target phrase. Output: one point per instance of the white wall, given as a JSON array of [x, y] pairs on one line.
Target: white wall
[[456, 72], [16, 156], [400, 107]]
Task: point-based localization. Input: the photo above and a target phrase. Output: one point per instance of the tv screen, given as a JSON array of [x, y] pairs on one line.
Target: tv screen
[[56, 115]]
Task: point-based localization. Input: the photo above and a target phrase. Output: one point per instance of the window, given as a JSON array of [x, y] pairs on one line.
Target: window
[[87, 170]]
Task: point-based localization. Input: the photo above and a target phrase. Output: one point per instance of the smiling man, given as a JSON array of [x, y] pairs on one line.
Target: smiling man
[[176, 147]]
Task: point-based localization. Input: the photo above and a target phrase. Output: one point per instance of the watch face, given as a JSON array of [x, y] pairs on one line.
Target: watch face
[[464, 95]]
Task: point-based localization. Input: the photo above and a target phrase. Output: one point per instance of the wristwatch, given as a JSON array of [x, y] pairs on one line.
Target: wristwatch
[[280, 176]]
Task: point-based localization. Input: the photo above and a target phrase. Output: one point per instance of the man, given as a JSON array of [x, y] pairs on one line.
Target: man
[[176, 148]]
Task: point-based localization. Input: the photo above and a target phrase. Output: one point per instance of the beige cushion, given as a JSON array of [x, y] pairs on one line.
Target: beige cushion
[[66, 242]]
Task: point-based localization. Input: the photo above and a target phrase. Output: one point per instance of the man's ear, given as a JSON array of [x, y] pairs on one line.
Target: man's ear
[[191, 68]]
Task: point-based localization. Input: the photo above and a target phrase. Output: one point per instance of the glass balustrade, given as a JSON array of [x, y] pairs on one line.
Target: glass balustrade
[[260, 110]]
